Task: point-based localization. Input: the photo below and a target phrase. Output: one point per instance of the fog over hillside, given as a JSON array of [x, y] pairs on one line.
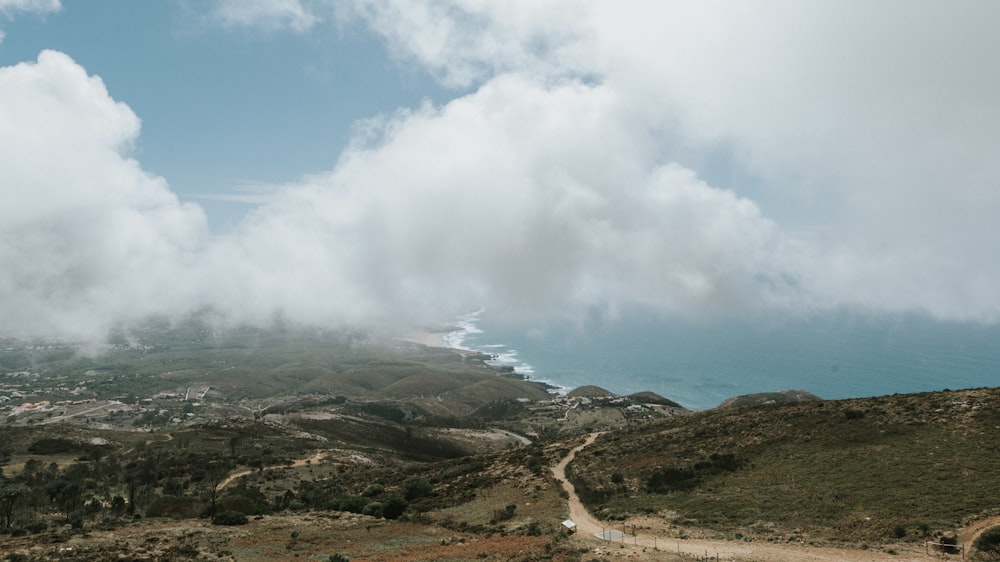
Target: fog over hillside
[[690, 158]]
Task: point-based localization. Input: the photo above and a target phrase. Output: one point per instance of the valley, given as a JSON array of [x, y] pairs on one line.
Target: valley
[[260, 446]]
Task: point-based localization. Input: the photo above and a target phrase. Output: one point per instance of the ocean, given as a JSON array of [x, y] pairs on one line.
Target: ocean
[[700, 363]]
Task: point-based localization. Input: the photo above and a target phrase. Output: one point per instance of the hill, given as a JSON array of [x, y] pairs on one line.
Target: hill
[[589, 391], [648, 397], [849, 471], [337, 442], [761, 398]]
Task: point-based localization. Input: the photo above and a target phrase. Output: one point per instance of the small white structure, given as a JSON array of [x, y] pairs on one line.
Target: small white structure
[[610, 535], [570, 525]]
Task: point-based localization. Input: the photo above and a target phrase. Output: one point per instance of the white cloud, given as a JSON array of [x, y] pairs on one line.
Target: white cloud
[[559, 183], [534, 199], [38, 6], [86, 236], [265, 14], [464, 43], [872, 127], [9, 8]]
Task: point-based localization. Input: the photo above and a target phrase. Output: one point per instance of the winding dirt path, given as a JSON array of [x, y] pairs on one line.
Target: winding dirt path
[[968, 535], [591, 528], [246, 472], [585, 523]]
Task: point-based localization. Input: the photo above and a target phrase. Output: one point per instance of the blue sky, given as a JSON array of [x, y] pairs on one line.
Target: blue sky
[[403, 163], [222, 107]]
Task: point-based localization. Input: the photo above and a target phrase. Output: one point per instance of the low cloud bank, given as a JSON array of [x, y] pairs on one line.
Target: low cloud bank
[[559, 184]]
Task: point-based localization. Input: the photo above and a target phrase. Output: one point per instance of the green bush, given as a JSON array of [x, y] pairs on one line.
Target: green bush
[[949, 544], [174, 507], [229, 518], [416, 487], [503, 514], [354, 504], [670, 479], [238, 503], [394, 507], [989, 541], [52, 446], [374, 509]]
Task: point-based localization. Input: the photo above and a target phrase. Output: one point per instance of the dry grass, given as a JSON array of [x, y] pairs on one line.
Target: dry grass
[[846, 471]]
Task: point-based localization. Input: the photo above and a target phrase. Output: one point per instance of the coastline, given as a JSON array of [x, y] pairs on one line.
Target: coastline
[[453, 338], [430, 338]]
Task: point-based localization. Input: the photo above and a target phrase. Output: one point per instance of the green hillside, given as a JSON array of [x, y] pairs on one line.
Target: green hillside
[[851, 470]]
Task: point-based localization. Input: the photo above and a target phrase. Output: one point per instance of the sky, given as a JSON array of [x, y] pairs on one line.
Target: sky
[[377, 163]]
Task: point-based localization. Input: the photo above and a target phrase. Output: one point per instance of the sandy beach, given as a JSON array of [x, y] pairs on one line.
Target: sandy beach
[[430, 338]]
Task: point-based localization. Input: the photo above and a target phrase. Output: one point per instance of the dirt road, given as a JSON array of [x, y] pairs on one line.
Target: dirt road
[[589, 528], [296, 463], [969, 534]]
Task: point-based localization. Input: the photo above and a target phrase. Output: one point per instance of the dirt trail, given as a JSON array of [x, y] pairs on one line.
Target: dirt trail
[[246, 472], [585, 523], [968, 535], [589, 527]]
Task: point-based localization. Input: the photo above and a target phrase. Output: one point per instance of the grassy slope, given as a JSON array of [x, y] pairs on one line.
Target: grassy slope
[[843, 470]]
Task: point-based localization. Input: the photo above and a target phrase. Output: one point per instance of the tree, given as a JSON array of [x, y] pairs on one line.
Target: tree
[[10, 494], [68, 496], [394, 507], [118, 506], [416, 487], [130, 506], [217, 475]]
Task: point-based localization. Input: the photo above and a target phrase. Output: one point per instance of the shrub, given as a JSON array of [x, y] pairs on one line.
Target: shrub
[[949, 544], [354, 504], [898, 532], [671, 478], [416, 487], [174, 507], [52, 446], [373, 490], [239, 503], [394, 507], [536, 464], [503, 514], [229, 518], [989, 541], [374, 509]]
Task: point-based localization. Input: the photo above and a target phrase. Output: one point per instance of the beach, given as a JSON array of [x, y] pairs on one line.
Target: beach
[[430, 338]]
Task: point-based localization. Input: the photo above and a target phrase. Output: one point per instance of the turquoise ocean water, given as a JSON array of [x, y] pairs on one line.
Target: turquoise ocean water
[[701, 363]]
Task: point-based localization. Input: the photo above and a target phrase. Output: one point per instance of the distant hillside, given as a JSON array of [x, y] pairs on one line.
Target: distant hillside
[[647, 397], [869, 469], [762, 398], [589, 391]]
